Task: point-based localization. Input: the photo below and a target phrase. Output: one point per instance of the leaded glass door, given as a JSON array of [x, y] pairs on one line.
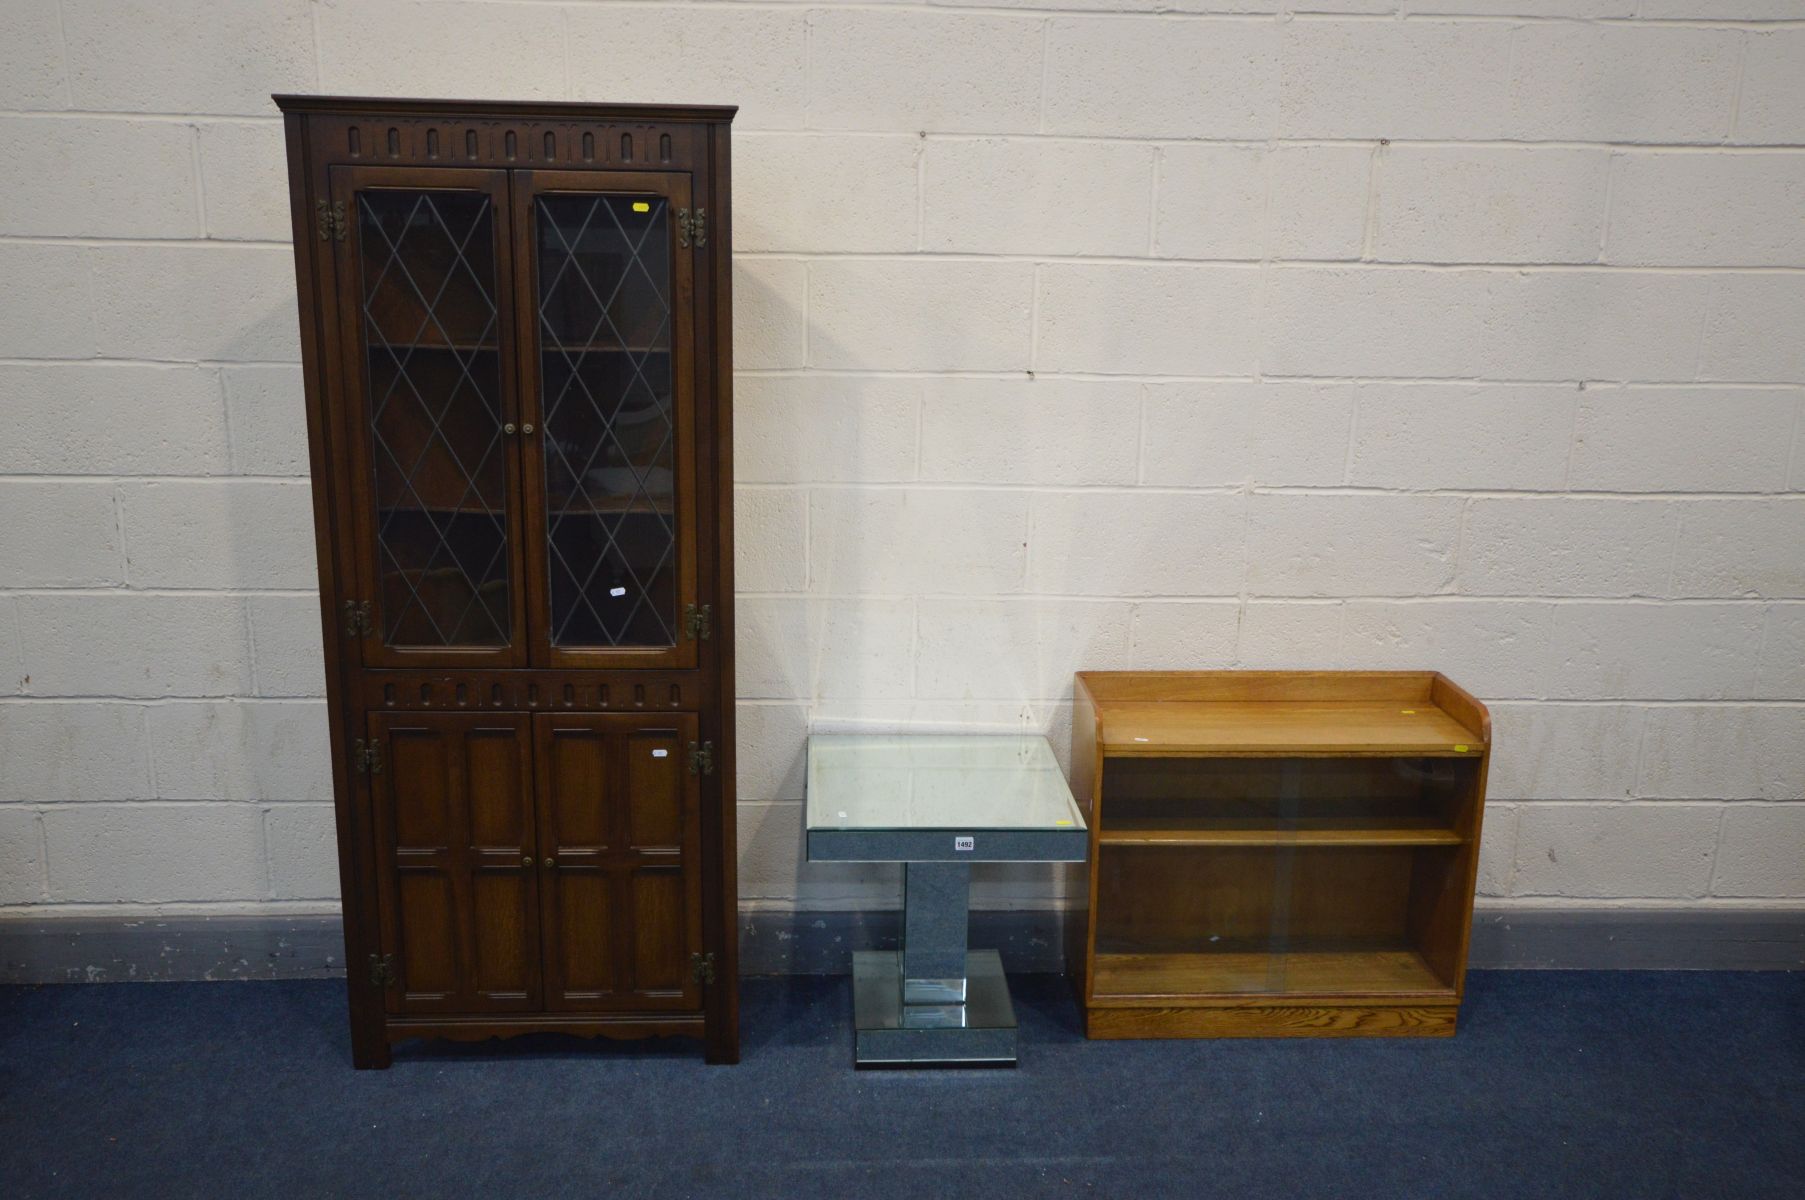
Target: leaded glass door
[[606, 314], [426, 297]]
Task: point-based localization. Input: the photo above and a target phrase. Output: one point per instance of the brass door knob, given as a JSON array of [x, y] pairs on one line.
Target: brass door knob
[[527, 429], [527, 861], [550, 862], [508, 428]]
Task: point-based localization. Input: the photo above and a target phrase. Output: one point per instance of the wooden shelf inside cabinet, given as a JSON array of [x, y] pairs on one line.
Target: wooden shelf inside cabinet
[[1307, 831], [1276, 854], [1163, 978]]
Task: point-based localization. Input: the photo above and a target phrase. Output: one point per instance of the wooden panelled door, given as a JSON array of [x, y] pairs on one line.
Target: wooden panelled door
[[584, 873], [619, 823], [459, 884]]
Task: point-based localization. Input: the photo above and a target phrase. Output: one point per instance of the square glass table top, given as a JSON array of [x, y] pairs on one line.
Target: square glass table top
[[940, 797]]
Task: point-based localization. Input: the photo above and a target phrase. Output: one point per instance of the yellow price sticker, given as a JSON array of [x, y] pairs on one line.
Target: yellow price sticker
[[1062, 822], [1460, 749], [641, 206]]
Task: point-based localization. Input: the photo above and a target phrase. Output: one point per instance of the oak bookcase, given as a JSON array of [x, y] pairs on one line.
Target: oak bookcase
[[515, 337], [1275, 854]]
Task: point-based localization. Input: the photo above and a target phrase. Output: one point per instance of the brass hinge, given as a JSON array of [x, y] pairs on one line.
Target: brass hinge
[[357, 619], [701, 967], [330, 217], [366, 756], [382, 970], [698, 621], [692, 227], [701, 758]]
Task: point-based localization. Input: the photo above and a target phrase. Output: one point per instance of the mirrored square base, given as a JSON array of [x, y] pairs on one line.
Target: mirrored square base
[[889, 1033]]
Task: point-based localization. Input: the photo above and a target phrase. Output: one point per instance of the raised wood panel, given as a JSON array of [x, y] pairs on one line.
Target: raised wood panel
[[426, 937], [422, 804], [584, 944], [661, 912], [654, 759], [499, 821], [454, 825], [620, 821], [578, 785], [505, 952]]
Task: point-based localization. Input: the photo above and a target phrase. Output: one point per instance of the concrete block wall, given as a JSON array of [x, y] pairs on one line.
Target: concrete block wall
[[1465, 334]]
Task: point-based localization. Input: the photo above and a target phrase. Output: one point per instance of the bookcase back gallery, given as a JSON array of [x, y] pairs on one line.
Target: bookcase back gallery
[[515, 337]]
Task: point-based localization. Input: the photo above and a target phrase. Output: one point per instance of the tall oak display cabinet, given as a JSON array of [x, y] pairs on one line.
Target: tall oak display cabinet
[[515, 335]]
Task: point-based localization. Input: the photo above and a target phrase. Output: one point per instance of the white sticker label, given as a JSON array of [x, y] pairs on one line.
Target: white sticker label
[[620, 591], [964, 843], [661, 754]]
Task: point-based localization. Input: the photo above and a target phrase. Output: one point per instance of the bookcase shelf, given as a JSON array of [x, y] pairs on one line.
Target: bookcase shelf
[[1304, 831], [1151, 979], [1275, 853]]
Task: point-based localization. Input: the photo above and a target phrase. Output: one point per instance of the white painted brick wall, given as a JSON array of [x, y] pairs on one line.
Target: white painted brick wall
[[893, 313], [1600, 851], [790, 429], [1222, 201], [30, 76], [1561, 546], [1035, 196], [801, 193], [218, 533], [95, 178], [1070, 334], [117, 419], [1054, 432], [1234, 433], [1455, 204], [1707, 208], [898, 541], [1683, 439], [1773, 89], [46, 308], [1165, 319], [1781, 675], [59, 534]]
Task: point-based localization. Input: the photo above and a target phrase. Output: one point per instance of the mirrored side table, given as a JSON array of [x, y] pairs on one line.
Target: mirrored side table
[[937, 804]]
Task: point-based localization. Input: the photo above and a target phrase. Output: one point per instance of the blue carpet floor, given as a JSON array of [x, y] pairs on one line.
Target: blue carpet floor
[[1559, 1084]]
